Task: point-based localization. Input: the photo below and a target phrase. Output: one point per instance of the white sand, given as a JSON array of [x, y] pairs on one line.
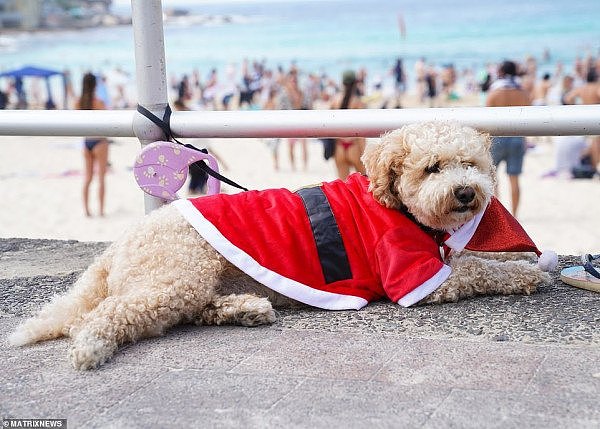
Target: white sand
[[40, 184]]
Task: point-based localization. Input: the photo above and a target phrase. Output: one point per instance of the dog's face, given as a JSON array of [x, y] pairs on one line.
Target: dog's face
[[441, 172]]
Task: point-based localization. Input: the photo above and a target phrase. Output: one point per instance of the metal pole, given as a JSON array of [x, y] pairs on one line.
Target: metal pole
[[109, 123], [522, 121], [499, 121], [151, 76]]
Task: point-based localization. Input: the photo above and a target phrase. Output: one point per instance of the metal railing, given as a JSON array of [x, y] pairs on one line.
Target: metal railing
[[506, 121], [152, 94]]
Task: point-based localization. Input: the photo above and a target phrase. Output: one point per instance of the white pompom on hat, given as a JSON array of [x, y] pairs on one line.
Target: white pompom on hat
[[548, 260]]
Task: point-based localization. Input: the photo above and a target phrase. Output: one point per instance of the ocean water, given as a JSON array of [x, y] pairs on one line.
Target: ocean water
[[332, 35]]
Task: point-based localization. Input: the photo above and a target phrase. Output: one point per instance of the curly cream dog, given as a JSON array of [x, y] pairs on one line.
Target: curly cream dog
[[163, 272]]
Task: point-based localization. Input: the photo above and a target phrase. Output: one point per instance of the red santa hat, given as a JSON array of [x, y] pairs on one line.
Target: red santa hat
[[496, 230]]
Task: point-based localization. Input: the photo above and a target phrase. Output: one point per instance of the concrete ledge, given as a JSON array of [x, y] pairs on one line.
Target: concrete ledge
[[491, 361]]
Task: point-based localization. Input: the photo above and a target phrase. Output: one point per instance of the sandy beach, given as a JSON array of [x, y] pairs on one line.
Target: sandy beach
[[40, 182]]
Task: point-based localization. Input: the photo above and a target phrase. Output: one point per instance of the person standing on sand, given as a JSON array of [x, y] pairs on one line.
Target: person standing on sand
[[95, 150], [507, 92], [292, 98], [541, 89], [420, 73], [431, 84], [588, 94], [273, 142], [399, 82], [348, 150]]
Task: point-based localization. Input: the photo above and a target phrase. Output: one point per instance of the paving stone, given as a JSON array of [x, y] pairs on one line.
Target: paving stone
[[199, 398], [199, 347], [339, 356], [573, 370], [481, 408], [356, 404], [52, 389], [462, 364]]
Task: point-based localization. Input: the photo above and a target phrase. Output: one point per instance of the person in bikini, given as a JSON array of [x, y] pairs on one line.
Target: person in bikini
[[348, 150], [95, 150]]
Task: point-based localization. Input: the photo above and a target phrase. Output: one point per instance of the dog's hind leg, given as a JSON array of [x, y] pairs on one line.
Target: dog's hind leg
[[121, 319], [240, 309], [126, 318], [145, 306], [163, 273], [57, 317]]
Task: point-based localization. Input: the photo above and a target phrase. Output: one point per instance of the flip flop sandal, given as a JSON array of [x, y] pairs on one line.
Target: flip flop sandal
[[161, 169], [585, 276]]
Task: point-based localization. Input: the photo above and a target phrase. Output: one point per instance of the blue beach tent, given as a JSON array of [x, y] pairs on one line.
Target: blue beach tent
[[30, 71]]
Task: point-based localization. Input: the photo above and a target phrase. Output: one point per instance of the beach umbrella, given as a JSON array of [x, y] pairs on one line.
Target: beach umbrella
[[31, 71]]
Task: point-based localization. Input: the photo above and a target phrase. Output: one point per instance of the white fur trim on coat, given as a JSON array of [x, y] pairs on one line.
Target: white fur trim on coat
[[461, 237], [426, 288], [271, 279]]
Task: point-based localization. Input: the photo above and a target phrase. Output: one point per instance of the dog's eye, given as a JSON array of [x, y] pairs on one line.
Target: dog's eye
[[435, 168]]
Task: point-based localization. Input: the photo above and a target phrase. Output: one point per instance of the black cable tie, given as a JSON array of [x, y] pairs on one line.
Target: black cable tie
[[165, 125]]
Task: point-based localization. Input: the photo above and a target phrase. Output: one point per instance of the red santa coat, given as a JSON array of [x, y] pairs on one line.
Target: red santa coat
[[331, 246]]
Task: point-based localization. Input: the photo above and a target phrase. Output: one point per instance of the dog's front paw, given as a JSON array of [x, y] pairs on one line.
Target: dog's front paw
[[256, 311], [243, 309], [541, 277], [528, 277], [89, 351]]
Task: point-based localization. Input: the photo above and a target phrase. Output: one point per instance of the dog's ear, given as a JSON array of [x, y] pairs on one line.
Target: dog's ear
[[383, 163]]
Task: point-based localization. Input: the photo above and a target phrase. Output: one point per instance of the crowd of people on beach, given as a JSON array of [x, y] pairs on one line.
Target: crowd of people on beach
[[507, 83], [257, 86], [260, 87]]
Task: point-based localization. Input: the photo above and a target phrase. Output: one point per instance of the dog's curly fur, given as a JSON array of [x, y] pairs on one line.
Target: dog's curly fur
[[162, 272]]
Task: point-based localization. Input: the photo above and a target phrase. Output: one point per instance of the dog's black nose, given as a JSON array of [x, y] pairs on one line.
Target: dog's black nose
[[465, 195]]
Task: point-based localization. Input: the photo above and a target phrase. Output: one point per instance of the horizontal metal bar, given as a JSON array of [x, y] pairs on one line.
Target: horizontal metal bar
[[107, 123], [523, 121], [508, 121]]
